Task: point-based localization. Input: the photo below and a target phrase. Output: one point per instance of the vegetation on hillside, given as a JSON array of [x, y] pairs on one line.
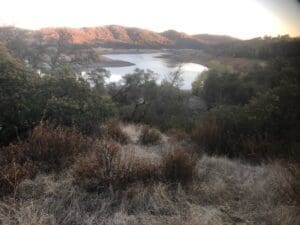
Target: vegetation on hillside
[[58, 176], [75, 150], [253, 115], [255, 108]]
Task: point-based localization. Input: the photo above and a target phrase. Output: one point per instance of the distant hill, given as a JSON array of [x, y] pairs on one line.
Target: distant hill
[[109, 35], [114, 36], [182, 40], [214, 39]]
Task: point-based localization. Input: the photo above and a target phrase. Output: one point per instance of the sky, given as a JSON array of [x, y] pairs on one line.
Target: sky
[[239, 18]]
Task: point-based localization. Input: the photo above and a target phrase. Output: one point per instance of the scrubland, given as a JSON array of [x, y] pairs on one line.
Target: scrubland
[[132, 174]]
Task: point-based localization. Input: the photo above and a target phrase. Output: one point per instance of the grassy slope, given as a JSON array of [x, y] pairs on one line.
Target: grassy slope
[[222, 192]]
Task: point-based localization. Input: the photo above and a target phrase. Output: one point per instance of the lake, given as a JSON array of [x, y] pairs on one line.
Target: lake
[[158, 65]]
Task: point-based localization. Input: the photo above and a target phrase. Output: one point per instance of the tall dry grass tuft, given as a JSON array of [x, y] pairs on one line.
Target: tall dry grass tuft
[[96, 170], [178, 134], [27, 214], [286, 182], [108, 166], [12, 174], [54, 148], [113, 130], [209, 134], [150, 136], [179, 166], [47, 149]]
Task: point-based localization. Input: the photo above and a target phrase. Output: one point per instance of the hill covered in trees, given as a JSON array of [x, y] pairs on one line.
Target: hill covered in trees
[[81, 48], [76, 150], [115, 36]]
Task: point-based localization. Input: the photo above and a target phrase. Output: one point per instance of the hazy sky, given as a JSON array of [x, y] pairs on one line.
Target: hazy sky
[[239, 18]]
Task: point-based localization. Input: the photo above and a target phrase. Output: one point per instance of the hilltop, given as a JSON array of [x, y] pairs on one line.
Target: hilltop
[[116, 36]]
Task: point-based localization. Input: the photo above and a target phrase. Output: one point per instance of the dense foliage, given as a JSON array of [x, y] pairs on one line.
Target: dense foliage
[[59, 97], [141, 99], [261, 48], [253, 114]]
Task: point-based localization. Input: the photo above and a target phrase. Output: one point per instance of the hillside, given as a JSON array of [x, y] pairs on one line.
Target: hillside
[[214, 39], [130, 182], [114, 36], [79, 152]]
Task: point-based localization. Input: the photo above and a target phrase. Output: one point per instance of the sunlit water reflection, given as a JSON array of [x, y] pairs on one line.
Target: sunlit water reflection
[[158, 65]]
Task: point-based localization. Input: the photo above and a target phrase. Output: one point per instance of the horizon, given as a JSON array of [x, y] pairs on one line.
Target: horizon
[[233, 18], [179, 31]]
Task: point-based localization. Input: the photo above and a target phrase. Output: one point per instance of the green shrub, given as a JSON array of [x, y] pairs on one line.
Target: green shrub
[[20, 105], [264, 128], [73, 103], [219, 86]]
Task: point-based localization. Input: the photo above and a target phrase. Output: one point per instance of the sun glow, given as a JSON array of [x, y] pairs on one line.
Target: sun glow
[[244, 19]]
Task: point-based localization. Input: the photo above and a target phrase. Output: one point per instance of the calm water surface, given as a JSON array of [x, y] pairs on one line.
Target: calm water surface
[[158, 65]]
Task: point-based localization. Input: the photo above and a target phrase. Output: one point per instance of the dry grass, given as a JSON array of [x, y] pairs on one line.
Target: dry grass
[[96, 170], [107, 166], [133, 131], [114, 131], [222, 192], [178, 134], [179, 166], [53, 148], [12, 174], [47, 149], [150, 136], [215, 191], [208, 134]]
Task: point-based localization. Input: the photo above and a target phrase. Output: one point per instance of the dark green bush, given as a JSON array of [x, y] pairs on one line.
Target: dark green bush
[[20, 104], [222, 86], [265, 128]]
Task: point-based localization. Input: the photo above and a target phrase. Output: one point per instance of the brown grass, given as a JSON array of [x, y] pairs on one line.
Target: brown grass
[[55, 148], [113, 130], [223, 192], [178, 134], [47, 149], [12, 174], [108, 166], [208, 134], [179, 166], [150, 136], [151, 185], [96, 169]]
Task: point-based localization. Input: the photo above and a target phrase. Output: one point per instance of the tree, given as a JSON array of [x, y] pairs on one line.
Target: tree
[[97, 79], [71, 101], [175, 78], [19, 102], [62, 43], [220, 85]]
